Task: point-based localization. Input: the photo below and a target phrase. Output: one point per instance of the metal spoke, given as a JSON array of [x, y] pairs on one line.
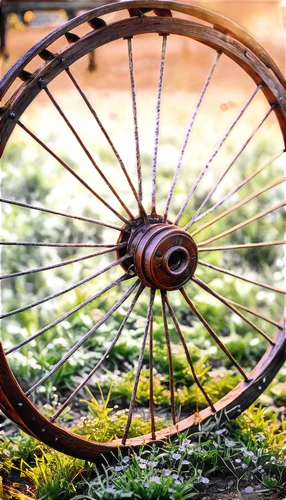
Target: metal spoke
[[213, 334], [242, 224], [239, 205], [88, 154], [253, 282], [169, 352], [63, 214], [255, 313], [95, 115], [139, 367], [83, 339], [62, 292], [245, 245], [191, 123], [62, 245], [157, 128], [231, 307], [102, 359], [55, 266], [240, 185], [151, 392], [135, 117], [195, 216], [217, 149], [67, 315], [69, 169], [189, 359]]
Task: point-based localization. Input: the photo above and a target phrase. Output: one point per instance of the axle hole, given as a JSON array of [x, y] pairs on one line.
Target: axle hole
[[177, 260]]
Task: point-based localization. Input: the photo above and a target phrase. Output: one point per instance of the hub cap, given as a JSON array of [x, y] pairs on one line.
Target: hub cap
[[163, 256]]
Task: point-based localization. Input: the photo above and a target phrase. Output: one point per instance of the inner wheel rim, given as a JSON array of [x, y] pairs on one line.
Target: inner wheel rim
[[161, 254]]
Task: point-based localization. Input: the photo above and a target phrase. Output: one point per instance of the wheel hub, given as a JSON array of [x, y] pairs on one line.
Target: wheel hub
[[163, 256]]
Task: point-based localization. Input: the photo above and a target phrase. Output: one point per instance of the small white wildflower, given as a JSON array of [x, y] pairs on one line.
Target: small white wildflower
[[244, 466], [220, 431], [248, 453], [176, 456], [186, 442], [172, 497], [142, 466], [205, 480], [155, 479], [199, 471], [167, 472], [238, 461], [126, 459], [175, 476], [229, 443], [185, 462], [182, 448], [153, 464], [119, 468]]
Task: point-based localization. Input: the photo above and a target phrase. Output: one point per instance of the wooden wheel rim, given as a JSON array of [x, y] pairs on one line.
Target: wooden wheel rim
[[257, 65]]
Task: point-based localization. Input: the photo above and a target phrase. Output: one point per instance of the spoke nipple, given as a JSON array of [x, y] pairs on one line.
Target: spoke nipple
[[43, 430], [12, 114], [20, 404], [56, 439], [260, 388], [41, 83]]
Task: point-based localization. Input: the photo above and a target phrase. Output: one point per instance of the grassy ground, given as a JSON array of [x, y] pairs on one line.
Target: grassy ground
[[245, 459]]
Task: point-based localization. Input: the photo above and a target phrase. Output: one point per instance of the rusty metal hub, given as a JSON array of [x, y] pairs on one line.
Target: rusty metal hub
[[162, 255]]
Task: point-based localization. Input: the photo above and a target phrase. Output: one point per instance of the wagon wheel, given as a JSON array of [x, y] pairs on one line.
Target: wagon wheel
[[155, 240]]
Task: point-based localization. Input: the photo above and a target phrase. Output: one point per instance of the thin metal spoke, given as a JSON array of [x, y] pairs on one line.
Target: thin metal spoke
[[62, 292], [255, 313], [240, 185], [55, 266], [139, 367], [83, 339], [135, 117], [189, 359], [239, 205], [245, 245], [95, 115], [169, 352], [92, 372], [242, 224], [217, 149], [69, 169], [230, 273], [195, 216], [63, 214], [231, 307], [62, 245], [191, 123], [213, 334], [67, 315], [157, 128], [84, 148], [151, 392]]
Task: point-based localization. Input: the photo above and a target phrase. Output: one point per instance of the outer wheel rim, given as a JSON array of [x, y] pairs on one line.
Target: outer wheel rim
[[91, 449]]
